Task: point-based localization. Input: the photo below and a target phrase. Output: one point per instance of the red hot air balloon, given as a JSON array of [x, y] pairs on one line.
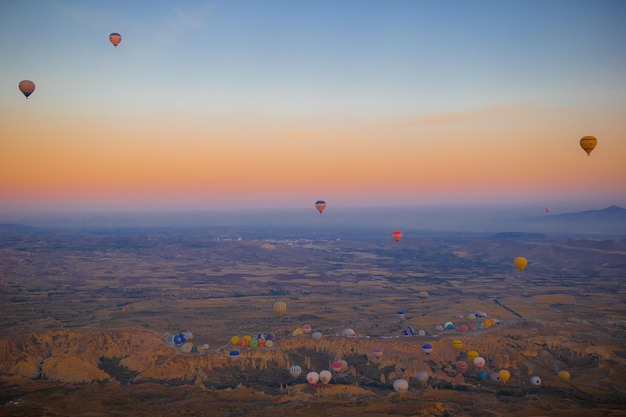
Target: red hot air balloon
[[320, 205], [461, 367], [115, 39], [27, 87], [547, 210], [397, 235]]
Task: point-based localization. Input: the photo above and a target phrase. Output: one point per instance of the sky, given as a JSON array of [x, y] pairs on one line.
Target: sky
[[260, 104]]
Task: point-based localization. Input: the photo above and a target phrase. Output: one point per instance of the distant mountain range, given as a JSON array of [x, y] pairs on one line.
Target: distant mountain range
[[609, 213], [610, 221]]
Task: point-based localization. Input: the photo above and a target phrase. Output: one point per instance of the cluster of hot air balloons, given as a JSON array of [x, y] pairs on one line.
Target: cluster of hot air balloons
[[260, 340]]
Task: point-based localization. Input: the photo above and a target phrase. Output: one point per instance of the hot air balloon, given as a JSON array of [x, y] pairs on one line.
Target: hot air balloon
[[564, 376], [479, 362], [186, 347], [26, 87], [320, 205], [588, 143], [325, 377], [448, 325], [457, 344], [422, 377], [378, 352], [483, 374], [306, 328], [179, 339], [253, 343], [348, 333], [471, 355], [115, 39], [423, 295], [400, 386], [409, 331], [337, 366], [535, 380], [495, 377], [269, 343], [504, 375], [312, 378], [461, 367], [234, 354], [401, 314], [317, 336], [547, 210], [427, 348], [280, 308], [520, 262], [397, 235], [295, 371]]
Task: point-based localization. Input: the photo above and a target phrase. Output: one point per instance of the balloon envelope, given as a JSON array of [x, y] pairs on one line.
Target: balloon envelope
[[588, 143], [280, 307], [378, 352], [422, 377], [427, 348], [317, 336], [461, 367], [312, 378], [295, 371], [115, 39], [504, 375], [457, 344], [400, 386], [535, 380], [325, 377], [397, 235], [26, 87], [479, 362], [564, 376], [320, 205], [520, 262]]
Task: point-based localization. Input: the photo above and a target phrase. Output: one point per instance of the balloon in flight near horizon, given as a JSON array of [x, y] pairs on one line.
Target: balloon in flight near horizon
[[397, 235], [520, 262], [26, 87], [320, 205], [588, 143], [115, 39], [548, 210]]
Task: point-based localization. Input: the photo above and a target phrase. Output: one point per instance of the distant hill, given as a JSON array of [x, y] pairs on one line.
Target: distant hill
[[609, 213], [12, 229], [607, 221], [519, 236]]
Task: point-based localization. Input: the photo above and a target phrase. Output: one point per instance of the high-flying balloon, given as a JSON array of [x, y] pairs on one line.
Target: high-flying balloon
[[397, 235], [320, 205], [588, 143], [26, 87], [564, 376], [520, 262], [115, 39], [280, 308], [295, 371], [400, 386]]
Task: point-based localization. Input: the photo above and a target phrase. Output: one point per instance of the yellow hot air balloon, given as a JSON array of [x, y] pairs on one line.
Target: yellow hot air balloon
[[520, 262], [471, 355], [26, 87], [235, 340], [588, 143], [564, 376], [115, 39], [457, 344], [504, 375], [280, 308]]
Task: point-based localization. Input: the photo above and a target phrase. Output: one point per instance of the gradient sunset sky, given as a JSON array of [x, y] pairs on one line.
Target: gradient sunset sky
[[227, 104]]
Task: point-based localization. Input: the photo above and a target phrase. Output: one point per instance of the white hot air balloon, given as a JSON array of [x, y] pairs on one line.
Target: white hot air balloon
[[295, 371], [313, 378], [325, 377]]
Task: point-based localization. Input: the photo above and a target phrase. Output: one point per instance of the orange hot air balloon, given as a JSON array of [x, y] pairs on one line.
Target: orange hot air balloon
[[520, 262], [115, 39], [588, 143], [280, 308], [397, 235], [320, 205], [26, 87]]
